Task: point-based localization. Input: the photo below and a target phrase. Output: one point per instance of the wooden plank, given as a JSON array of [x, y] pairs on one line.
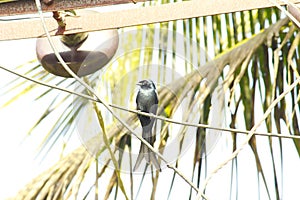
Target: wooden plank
[[17, 7], [116, 19]]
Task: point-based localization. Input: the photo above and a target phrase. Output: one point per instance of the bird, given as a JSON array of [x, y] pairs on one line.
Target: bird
[[147, 101]]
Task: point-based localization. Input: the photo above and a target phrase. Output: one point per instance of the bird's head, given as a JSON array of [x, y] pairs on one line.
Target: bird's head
[[146, 84]]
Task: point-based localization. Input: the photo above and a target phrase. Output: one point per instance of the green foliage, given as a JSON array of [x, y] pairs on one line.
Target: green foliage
[[253, 59]]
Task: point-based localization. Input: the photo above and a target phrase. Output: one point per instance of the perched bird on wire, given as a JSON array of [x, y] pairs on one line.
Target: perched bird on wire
[[147, 101]]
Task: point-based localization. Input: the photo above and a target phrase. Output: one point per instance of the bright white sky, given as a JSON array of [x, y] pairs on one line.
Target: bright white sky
[[18, 155]]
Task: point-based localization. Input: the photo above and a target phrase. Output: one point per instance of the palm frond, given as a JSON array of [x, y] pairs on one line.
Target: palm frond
[[196, 88]]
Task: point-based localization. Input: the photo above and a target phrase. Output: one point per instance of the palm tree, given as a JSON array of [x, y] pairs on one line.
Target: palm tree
[[219, 74]]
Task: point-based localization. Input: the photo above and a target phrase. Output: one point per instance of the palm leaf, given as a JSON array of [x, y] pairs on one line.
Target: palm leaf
[[250, 63]]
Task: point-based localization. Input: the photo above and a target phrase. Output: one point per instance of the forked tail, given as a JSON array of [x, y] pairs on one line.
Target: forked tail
[[149, 156]]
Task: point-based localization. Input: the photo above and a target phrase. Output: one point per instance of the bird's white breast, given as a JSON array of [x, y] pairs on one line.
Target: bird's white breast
[[146, 93]]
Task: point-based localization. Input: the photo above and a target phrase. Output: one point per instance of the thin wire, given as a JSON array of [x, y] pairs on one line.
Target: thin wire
[[237, 151], [38, 4], [231, 130]]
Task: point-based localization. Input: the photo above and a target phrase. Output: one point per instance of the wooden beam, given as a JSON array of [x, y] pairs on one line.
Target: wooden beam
[[17, 7], [30, 28]]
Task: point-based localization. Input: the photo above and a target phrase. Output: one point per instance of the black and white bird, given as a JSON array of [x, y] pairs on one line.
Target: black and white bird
[[147, 101]]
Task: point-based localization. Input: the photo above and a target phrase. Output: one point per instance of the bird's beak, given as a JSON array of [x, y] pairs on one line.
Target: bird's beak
[[139, 84]]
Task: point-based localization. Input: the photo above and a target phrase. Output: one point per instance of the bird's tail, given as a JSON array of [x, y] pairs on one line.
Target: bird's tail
[[149, 156]]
